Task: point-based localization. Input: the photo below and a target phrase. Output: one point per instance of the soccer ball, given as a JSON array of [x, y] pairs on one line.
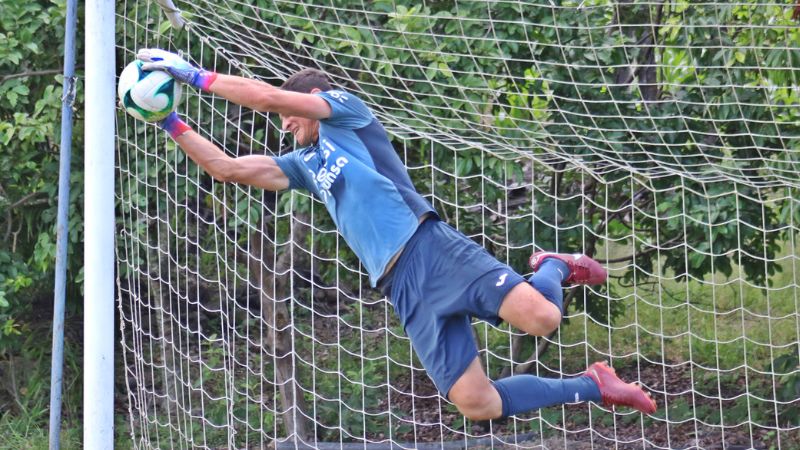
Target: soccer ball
[[147, 95]]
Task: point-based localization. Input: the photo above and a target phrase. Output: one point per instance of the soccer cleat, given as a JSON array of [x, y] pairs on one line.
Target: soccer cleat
[[616, 392], [582, 269]]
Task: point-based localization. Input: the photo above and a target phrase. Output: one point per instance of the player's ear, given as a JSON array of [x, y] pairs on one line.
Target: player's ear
[[315, 90]]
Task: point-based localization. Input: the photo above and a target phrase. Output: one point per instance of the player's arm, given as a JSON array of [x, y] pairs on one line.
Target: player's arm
[[253, 94], [262, 96], [255, 170]]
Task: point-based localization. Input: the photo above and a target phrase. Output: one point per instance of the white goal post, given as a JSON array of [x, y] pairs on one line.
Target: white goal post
[[99, 227]]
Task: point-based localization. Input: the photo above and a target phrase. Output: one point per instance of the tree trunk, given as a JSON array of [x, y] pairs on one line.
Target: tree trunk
[[279, 338]]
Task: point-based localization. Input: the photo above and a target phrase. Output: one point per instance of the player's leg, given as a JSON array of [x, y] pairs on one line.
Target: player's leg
[[451, 278], [582, 269], [526, 309], [477, 398], [449, 354], [536, 307]]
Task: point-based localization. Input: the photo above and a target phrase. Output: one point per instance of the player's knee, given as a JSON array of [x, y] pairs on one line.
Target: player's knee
[[476, 414], [542, 321], [474, 404], [551, 319], [528, 310]]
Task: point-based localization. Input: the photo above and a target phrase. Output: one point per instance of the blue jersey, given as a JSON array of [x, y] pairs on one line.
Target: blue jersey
[[355, 171]]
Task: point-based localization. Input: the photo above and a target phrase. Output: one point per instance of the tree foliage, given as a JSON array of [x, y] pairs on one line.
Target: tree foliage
[[31, 58]]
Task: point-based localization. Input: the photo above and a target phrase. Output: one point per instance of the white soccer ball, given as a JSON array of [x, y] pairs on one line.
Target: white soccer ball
[[147, 95]]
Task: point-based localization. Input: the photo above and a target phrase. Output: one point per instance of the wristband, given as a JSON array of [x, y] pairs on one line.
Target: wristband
[[204, 79], [173, 125]]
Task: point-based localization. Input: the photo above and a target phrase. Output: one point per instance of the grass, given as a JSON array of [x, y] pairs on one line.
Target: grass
[[720, 322], [20, 433]]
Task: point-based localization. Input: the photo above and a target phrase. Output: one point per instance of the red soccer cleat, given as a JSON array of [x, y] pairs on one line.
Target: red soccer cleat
[[583, 270], [616, 392]]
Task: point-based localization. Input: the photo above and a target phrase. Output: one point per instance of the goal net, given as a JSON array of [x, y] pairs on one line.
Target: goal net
[[661, 137]]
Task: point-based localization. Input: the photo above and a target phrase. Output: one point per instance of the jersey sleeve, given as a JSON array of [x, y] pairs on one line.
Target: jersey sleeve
[[293, 168], [347, 110]]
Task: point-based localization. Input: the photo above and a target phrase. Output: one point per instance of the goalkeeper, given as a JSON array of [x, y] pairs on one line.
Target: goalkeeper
[[436, 278]]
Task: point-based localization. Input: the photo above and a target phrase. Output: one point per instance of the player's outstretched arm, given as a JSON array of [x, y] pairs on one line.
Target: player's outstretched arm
[[262, 96], [247, 92], [255, 170]]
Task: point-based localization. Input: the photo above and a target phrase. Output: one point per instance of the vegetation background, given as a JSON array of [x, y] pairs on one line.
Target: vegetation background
[[31, 53], [31, 64]]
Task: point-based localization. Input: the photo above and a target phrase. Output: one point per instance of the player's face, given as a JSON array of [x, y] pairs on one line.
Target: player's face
[[305, 131]]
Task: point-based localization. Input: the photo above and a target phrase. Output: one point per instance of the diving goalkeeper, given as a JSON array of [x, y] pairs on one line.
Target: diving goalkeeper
[[436, 278]]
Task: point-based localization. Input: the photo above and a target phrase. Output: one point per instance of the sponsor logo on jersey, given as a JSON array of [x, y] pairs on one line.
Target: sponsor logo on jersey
[[329, 172]]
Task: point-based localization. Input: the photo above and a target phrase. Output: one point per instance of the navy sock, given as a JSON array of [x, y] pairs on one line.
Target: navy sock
[[547, 280], [523, 393]]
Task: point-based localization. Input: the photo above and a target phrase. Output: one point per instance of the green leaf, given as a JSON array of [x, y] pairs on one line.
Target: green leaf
[[21, 89], [352, 33], [164, 26], [445, 69]]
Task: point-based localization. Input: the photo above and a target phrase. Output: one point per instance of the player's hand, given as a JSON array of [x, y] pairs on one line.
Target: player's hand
[[177, 67], [173, 125]]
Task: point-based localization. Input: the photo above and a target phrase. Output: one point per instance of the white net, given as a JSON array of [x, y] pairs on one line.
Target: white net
[[661, 137]]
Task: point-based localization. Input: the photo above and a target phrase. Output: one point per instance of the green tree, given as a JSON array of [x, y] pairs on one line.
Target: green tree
[[31, 58]]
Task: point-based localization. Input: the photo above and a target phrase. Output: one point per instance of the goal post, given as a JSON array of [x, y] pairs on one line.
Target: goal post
[[661, 137], [99, 226]]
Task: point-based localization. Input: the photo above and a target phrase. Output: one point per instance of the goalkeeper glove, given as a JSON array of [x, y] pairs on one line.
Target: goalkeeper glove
[[173, 125], [177, 67]]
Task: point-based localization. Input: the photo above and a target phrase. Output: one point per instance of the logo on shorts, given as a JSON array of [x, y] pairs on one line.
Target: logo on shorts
[[502, 279]]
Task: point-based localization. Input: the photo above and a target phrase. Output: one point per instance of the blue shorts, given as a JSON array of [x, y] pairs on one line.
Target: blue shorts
[[440, 282]]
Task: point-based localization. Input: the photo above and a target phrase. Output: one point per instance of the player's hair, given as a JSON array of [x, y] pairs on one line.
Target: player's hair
[[306, 80]]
